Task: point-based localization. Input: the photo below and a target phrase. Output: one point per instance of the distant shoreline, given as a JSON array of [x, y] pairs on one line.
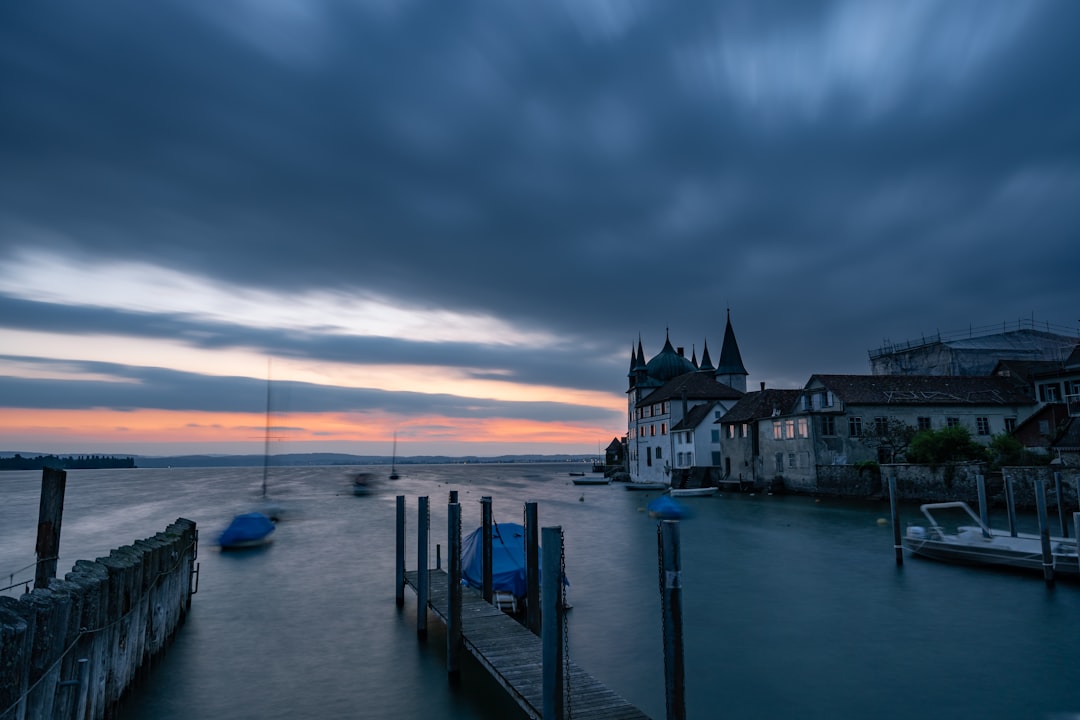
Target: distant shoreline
[[286, 460]]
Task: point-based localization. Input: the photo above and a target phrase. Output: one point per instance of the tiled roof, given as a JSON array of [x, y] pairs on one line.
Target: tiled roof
[[923, 390], [694, 416], [698, 386], [760, 404]]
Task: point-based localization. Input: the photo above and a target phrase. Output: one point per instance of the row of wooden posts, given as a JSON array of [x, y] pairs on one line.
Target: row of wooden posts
[[1010, 506], [70, 648], [544, 590]]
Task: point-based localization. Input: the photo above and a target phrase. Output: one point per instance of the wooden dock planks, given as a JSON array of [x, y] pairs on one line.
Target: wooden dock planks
[[513, 656]]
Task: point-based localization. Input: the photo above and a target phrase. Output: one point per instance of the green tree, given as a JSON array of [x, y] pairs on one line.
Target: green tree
[[947, 445]]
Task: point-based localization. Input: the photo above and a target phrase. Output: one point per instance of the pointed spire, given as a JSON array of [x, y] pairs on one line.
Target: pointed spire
[[693, 356], [706, 361], [730, 369]]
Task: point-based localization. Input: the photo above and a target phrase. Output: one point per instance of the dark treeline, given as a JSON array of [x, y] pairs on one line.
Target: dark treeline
[[71, 462]]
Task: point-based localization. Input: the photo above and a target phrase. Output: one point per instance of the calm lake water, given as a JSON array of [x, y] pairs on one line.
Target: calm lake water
[[792, 607]]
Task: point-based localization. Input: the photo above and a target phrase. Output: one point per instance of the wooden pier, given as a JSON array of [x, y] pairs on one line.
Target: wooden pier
[[513, 655]]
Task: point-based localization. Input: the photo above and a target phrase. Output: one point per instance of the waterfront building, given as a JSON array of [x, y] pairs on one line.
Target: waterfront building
[[673, 406], [847, 419]]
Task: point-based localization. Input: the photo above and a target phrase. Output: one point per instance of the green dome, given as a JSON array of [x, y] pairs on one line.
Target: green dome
[[668, 364]]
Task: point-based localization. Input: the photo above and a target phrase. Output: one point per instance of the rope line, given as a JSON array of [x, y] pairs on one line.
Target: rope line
[[83, 632]]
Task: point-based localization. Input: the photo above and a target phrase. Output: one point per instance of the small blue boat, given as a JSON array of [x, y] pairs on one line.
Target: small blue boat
[[245, 531]]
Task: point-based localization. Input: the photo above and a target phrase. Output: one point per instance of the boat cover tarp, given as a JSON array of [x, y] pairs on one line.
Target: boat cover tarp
[[246, 528], [666, 508], [507, 558]]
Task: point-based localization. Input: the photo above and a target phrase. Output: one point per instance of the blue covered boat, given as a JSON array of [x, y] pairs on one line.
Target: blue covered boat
[[247, 530], [508, 579]]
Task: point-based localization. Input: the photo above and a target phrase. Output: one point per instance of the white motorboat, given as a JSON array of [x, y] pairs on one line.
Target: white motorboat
[[979, 545], [693, 492]]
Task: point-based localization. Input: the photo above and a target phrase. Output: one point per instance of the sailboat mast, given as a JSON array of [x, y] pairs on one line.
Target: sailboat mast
[[266, 445]]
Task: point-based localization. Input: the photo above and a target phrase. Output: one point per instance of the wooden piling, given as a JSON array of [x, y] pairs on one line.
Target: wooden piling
[[671, 596], [1010, 504], [1076, 534], [894, 508], [50, 514], [422, 567], [1060, 492], [485, 548], [453, 599], [399, 554], [552, 633], [453, 496], [984, 511], [532, 569], [1044, 532]]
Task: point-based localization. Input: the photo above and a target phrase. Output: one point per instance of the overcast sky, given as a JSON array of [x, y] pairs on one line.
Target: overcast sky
[[454, 220]]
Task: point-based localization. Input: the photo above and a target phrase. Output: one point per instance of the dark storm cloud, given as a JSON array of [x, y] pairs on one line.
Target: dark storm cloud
[[133, 388], [531, 365], [593, 169]]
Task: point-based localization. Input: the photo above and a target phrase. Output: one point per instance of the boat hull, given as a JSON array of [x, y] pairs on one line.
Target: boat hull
[[969, 547], [693, 492], [643, 486], [591, 481]]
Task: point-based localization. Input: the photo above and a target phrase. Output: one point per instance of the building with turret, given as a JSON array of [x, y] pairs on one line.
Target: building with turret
[[673, 405]]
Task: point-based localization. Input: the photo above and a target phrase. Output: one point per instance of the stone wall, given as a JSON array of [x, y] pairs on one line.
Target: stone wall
[[945, 483], [71, 650]]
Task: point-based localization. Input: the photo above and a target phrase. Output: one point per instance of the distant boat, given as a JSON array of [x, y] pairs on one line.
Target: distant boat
[[591, 480], [646, 486], [393, 461], [363, 483], [246, 531], [693, 492]]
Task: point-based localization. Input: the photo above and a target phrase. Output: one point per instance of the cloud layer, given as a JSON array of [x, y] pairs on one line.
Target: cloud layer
[[533, 186]]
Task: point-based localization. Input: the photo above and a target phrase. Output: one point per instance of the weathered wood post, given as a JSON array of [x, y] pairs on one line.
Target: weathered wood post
[[453, 590], [898, 548], [671, 596], [552, 634], [1044, 532], [485, 503], [1076, 534], [984, 512], [532, 569], [1060, 491], [453, 496], [422, 578], [50, 513], [399, 555], [1010, 504]]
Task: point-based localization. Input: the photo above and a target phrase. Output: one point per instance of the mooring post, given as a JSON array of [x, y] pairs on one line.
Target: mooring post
[[1044, 532], [486, 584], [422, 568], [898, 548], [532, 569], [399, 554], [1060, 490], [438, 556], [453, 596], [552, 635], [671, 596], [984, 512], [1076, 528], [1010, 504], [453, 496], [50, 513]]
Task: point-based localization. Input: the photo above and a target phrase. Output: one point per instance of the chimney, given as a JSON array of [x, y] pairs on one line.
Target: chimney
[[762, 386]]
